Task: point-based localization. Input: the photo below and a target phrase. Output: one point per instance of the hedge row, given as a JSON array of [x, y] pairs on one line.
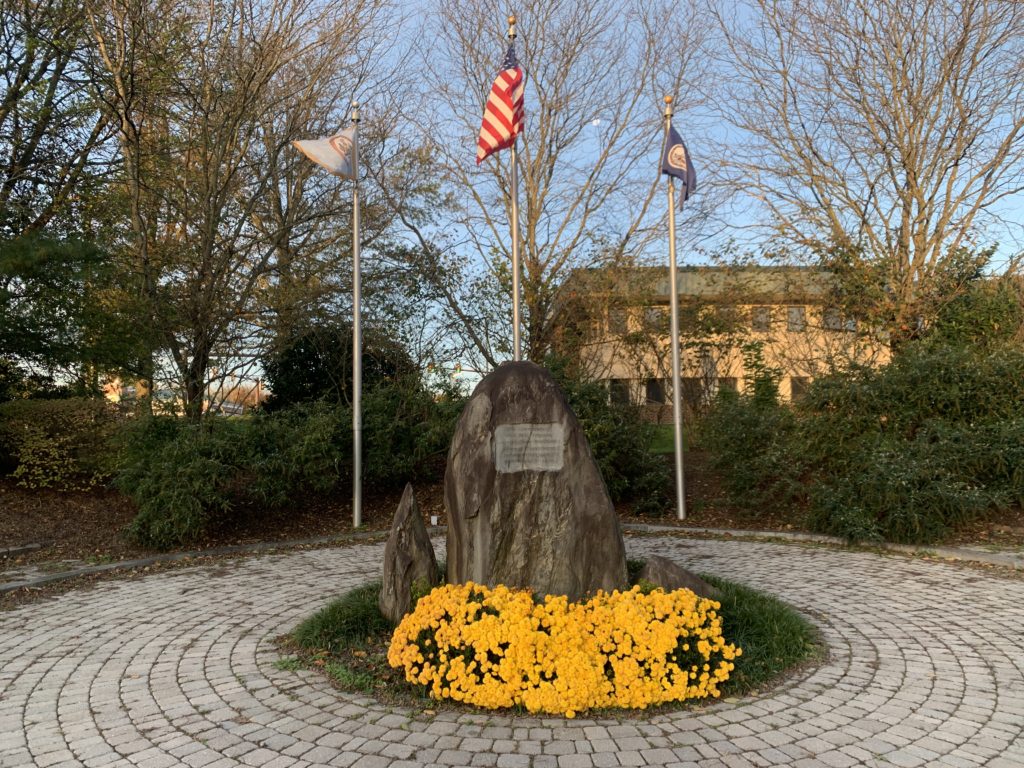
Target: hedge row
[[184, 477], [905, 453]]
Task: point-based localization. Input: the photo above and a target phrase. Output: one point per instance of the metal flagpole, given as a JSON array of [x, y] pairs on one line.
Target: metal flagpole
[[357, 337], [673, 288], [517, 347]]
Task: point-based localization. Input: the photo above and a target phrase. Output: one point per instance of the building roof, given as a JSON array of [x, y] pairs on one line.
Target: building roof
[[730, 285]]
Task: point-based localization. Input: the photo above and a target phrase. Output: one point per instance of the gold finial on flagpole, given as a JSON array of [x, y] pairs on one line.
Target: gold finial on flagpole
[[511, 26], [355, 111], [668, 106]]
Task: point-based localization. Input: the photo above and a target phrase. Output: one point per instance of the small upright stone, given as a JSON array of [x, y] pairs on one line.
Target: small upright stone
[[408, 559], [526, 503], [670, 576]]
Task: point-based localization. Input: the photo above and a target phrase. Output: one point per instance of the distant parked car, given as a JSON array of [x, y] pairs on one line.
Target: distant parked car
[[227, 408]]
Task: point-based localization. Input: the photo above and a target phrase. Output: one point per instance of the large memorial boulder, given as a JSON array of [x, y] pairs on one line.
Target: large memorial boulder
[[670, 576], [526, 503], [408, 560]]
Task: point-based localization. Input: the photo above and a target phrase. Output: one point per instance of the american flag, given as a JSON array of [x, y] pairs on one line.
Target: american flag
[[503, 115]]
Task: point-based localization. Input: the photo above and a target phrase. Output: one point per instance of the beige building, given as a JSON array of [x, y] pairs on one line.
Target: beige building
[[732, 322], [229, 396]]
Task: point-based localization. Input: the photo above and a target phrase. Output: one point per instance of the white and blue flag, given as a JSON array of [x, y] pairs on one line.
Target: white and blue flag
[[676, 162], [333, 154]]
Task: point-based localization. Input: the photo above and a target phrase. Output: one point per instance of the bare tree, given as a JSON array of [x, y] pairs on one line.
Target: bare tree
[[207, 100], [50, 126], [595, 74], [890, 132]]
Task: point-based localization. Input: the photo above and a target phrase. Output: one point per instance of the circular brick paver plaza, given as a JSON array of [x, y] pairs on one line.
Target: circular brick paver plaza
[[925, 667]]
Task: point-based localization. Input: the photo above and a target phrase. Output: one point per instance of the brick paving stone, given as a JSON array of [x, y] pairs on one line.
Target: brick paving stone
[[658, 756], [604, 760], [630, 743], [177, 668], [604, 745], [836, 759], [447, 742], [630, 758], [496, 732], [454, 757], [513, 761], [559, 748], [772, 756], [575, 761], [750, 743], [530, 747], [372, 761]]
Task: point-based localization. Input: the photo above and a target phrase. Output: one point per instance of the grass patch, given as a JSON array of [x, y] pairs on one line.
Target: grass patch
[[664, 441], [350, 622], [775, 638], [348, 640], [289, 664], [350, 679]]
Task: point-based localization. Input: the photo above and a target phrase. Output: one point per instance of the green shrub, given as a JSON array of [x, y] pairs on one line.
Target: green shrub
[[180, 475], [896, 491], [407, 432], [302, 447], [994, 456], [314, 363], [905, 453], [750, 440], [620, 441], [59, 444], [186, 477]]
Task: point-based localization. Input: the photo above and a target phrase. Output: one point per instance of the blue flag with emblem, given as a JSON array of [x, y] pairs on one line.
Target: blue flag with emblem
[[676, 162]]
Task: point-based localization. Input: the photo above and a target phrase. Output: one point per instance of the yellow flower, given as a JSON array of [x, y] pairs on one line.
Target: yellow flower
[[496, 648]]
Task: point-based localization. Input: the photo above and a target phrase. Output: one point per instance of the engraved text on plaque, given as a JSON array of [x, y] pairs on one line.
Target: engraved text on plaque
[[536, 447]]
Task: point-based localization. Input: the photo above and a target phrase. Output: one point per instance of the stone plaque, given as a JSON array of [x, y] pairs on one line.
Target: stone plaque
[[536, 447], [526, 504]]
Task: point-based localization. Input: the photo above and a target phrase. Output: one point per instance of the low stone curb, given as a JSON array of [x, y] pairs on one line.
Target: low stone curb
[[171, 557], [1013, 559], [23, 549], [1007, 558]]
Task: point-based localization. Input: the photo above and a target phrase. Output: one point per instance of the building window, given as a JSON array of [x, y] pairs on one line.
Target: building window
[[796, 319], [618, 391], [656, 319], [689, 317], [617, 320], [723, 319], [798, 387], [708, 366], [760, 319], [833, 320], [728, 382], [655, 392], [691, 391]]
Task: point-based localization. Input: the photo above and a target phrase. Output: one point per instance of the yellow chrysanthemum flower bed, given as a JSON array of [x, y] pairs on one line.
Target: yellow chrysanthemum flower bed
[[498, 648]]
